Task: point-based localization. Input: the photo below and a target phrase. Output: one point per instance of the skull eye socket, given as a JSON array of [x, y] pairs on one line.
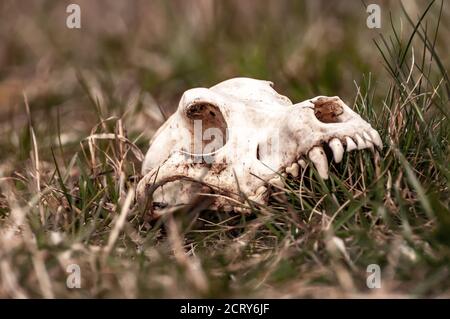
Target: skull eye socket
[[208, 119], [196, 111]]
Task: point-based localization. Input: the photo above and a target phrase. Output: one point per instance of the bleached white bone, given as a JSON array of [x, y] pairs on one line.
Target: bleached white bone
[[241, 135], [337, 149]]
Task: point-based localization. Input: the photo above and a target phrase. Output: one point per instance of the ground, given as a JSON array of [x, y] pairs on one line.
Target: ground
[[78, 107]]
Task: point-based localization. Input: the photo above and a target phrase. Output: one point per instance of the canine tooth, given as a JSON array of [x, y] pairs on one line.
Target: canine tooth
[[293, 170], [376, 139], [302, 163], [318, 157], [337, 148], [276, 181], [360, 142], [258, 197], [350, 144]]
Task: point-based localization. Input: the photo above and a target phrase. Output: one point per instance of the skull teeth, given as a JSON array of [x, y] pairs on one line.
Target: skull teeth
[[277, 182], [368, 139], [318, 157], [302, 163], [369, 145], [293, 169], [337, 149], [360, 142], [376, 139], [261, 190], [350, 144], [258, 197]]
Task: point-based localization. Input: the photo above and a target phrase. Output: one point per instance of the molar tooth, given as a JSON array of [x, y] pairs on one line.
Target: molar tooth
[[276, 181], [258, 197], [261, 190], [318, 157], [302, 163], [350, 144], [360, 142], [337, 148], [293, 170], [376, 139], [367, 137]]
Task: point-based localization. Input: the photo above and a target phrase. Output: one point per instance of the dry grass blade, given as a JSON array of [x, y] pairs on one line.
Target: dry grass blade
[[71, 158], [120, 222]]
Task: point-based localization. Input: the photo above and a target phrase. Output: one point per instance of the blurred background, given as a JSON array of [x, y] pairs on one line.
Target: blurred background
[[137, 57], [126, 68]]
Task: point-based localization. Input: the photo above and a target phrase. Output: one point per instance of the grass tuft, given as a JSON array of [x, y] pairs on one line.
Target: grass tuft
[[69, 167]]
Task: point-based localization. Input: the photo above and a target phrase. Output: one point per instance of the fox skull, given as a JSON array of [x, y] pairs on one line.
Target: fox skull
[[238, 138]]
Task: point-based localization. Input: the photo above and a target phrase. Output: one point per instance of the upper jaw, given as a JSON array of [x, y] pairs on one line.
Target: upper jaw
[[340, 142], [350, 132]]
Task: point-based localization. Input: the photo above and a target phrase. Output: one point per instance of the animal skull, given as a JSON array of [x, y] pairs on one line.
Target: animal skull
[[238, 138]]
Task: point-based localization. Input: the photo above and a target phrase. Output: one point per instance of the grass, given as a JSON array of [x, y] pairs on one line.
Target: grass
[[71, 155]]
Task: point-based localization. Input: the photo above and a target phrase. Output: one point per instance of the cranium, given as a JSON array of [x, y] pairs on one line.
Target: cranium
[[238, 138]]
